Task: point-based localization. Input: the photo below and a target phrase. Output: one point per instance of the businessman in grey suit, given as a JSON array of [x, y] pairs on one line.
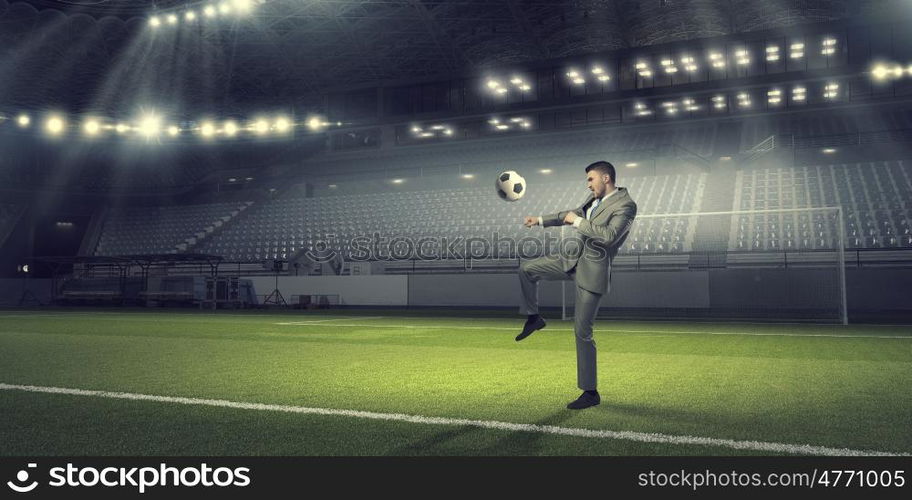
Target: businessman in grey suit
[[600, 227]]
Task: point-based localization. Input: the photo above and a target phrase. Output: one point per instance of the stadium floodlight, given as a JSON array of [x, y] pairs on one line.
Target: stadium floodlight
[[545, 171], [579, 81], [468, 176], [207, 129], [494, 121], [573, 73], [829, 46], [501, 90], [243, 6], [796, 50], [23, 120], [209, 11], [282, 125], [230, 128], [149, 125], [772, 53], [774, 96], [332, 186], [828, 151], [742, 57], [632, 165], [190, 15], [643, 69], [831, 91], [398, 181], [173, 130], [493, 84], [55, 125], [600, 73], [667, 62], [717, 60], [172, 19], [882, 72], [260, 127], [225, 7], [516, 81], [501, 126], [315, 123], [744, 100], [154, 21], [525, 87], [689, 65], [91, 127], [122, 128], [799, 94]]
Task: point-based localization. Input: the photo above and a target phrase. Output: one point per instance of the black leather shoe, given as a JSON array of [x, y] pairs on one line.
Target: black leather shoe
[[531, 325], [584, 401]]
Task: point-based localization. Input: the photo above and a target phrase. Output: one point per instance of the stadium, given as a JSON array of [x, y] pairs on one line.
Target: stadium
[[306, 227]]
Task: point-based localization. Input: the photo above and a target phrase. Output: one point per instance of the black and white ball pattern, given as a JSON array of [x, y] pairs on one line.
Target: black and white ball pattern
[[510, 186]]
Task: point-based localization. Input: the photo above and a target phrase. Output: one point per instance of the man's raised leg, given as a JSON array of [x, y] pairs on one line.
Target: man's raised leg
[[530, 273]]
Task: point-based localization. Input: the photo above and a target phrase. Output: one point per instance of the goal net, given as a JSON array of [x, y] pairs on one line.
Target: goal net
[[758, 265]]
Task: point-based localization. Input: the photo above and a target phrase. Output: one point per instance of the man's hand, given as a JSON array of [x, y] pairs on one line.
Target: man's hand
[[530, 221], [570, 218]]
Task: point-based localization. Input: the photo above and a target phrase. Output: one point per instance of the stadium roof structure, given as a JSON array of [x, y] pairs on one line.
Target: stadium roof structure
[[101, 54]]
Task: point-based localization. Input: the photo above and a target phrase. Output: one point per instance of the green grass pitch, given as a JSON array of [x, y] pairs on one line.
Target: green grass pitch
[[830, 386]]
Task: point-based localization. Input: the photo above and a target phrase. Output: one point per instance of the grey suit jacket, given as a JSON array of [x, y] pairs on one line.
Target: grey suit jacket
[[598, 239]]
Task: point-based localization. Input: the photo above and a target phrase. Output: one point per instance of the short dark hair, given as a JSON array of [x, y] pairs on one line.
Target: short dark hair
[[604, 168]]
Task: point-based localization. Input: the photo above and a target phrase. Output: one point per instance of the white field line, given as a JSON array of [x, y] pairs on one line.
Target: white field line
[[210, 314], [321, 321], [640, 437], [435, 327]]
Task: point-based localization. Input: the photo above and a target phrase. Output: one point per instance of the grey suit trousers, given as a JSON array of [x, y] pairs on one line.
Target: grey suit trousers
[[587, 305]]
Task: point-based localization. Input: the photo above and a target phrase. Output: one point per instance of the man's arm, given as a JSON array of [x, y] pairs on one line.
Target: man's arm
[[618, 225], [558, 218]]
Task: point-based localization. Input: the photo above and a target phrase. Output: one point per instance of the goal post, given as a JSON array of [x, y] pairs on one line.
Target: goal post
[[747, 265]]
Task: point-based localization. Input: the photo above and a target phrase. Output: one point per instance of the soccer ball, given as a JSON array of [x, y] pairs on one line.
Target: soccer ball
[[510, 186]]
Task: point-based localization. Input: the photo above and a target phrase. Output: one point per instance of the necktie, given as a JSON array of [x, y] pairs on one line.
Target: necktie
[[595, 204]]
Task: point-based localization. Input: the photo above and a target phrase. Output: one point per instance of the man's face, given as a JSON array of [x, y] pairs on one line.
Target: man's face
[[597, 183]]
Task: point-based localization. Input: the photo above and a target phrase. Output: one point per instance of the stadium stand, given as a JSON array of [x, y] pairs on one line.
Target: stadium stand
[[165, 229], [282, 228], [9, 215], [873, 195]]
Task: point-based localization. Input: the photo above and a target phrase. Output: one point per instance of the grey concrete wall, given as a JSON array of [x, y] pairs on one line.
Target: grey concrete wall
[[11, 290], [758, 289], [372, 290]]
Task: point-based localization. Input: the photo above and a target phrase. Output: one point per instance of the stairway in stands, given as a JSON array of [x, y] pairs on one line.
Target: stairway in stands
[[712, 232]]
